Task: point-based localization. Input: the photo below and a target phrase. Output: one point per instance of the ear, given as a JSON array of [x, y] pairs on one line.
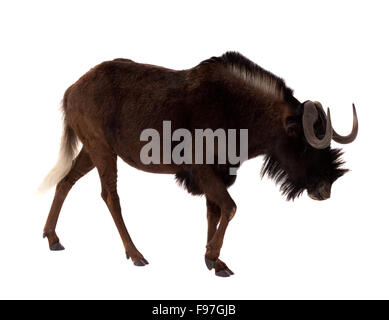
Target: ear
[[292, 126], [292, 121]]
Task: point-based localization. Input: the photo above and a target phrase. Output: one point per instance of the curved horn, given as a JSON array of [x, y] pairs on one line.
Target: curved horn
[[310, 116], [354, 132]]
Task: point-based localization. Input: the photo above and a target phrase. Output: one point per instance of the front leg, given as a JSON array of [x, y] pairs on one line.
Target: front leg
[[213, 250], [220, 210], [213, 218]]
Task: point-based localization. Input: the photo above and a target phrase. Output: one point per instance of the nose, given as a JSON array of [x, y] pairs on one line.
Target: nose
[[322, 192], [325, 190]]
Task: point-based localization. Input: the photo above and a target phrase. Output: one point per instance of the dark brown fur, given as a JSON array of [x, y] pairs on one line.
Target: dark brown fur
[[114, 102]]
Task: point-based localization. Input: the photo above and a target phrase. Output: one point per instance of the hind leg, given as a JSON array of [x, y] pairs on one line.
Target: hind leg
[[105, 161], [82, 165]]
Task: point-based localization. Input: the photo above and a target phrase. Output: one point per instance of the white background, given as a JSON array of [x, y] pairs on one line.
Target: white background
[[334, 52]]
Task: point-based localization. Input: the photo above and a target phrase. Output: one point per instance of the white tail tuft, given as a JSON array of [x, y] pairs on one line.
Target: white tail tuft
[[66, 155]]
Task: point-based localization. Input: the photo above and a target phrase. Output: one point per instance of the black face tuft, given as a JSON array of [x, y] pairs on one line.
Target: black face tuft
[[297, 167], [323, 165]]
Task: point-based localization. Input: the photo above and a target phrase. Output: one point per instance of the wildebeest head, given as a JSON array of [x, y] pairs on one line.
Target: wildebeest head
[[303, 159]]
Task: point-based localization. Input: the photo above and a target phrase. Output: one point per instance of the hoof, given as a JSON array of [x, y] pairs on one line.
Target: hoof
[[221, 270], [56, 247], [210, 263], [224, 273], [141, 262]]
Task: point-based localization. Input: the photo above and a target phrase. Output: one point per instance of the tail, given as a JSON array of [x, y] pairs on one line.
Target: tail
[[66, 155]]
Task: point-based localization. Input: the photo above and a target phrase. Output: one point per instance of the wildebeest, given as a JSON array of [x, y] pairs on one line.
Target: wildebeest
[[109, 107]]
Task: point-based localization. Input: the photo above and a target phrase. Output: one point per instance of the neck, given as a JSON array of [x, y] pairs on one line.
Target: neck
[[264, 119], [266, 101]]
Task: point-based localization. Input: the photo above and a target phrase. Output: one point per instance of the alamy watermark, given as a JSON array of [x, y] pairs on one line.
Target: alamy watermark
[[189, 149]]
